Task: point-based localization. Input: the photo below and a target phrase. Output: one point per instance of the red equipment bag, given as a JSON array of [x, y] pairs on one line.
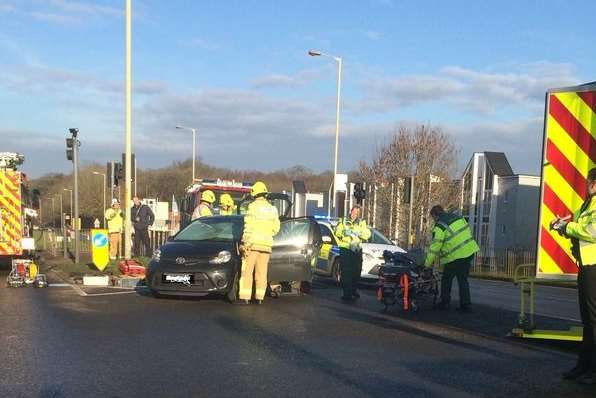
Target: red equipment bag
[[131, 267]]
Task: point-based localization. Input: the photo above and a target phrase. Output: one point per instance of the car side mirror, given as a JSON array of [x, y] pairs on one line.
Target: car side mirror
[[326, 239]]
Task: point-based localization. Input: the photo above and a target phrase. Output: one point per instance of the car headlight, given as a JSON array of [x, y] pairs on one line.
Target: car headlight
[[221, 258], [156, 255]]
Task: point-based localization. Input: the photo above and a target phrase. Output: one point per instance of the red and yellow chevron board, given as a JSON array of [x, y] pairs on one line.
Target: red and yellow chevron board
[[569, 153], [11, 217]]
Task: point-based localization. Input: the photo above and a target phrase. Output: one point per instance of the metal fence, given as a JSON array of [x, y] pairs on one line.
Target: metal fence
[[50, 241], [501, 263]]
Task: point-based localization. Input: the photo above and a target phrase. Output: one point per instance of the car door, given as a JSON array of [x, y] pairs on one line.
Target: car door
[[295, 250], [328, 244]]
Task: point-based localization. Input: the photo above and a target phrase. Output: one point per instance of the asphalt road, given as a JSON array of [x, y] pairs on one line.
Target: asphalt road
[[56, 342]]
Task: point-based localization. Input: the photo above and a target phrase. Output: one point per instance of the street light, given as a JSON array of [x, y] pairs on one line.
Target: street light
[[317, 53], [97, 173], [194, 148]]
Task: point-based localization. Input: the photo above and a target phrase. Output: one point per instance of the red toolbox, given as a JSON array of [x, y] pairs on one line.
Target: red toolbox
[[131, 267]]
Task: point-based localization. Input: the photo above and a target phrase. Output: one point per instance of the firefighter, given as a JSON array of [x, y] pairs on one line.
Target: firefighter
[[581, 229], [454, 246], [115, 221], [351, 233], [261, 224], [205, 207], [227, 206]]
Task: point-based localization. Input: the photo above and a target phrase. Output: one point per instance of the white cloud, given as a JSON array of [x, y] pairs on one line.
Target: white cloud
[[302, 77], [467, 89], [83, 8]]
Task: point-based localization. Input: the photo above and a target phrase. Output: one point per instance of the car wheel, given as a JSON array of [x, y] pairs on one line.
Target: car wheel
[[232, 294], [155, 293], [336, 271]]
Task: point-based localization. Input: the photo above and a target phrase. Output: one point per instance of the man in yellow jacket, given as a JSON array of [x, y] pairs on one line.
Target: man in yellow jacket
[[454, 246], [261, 224], [581, 229], [227, 207], [205, 207], [115, 222], [351, 233]]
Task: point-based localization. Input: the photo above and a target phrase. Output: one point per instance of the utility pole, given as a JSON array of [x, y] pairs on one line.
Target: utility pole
[[72, 153], [63, 226], [128, 131], [411, 182]]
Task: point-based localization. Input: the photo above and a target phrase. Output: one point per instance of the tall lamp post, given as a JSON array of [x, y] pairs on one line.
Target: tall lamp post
[[316, 53], [97, 173], [194, 147]]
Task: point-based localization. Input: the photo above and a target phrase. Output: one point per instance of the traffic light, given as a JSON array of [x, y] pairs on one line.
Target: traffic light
[[118, 172], [69, 149], [359, 192]]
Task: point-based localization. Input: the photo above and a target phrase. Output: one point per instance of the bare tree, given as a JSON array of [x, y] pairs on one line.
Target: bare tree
[[428, 156]]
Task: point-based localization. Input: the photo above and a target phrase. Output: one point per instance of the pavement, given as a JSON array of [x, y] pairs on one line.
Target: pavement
[[72, 342]]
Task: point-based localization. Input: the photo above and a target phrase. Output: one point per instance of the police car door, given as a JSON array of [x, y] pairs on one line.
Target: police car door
[[295, 250]]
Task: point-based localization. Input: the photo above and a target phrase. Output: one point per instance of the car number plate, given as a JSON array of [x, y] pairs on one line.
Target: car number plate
[[179, 278]]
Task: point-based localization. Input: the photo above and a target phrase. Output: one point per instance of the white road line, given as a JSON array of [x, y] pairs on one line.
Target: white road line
[[108, 294], [59, 285]]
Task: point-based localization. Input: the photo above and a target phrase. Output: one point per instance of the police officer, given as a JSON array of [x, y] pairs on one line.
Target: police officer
[[261, 224], [227, 207], [454, 246], [351, 233], [581, 229], [205, 207]]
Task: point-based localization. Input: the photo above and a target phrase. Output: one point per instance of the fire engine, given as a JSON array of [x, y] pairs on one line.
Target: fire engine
[[16, 210], [192, 198]]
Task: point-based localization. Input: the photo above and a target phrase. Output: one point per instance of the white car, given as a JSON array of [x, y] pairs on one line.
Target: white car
[[372, 252]]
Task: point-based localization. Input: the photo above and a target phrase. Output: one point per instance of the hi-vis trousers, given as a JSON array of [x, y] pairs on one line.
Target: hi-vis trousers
[[254, 262]]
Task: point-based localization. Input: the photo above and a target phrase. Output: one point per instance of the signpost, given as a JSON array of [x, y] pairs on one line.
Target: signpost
[[100, 253]]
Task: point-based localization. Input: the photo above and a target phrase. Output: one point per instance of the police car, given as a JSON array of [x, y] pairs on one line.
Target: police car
[[372, 251]]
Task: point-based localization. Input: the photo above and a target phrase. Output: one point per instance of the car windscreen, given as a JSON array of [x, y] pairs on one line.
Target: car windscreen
[[212, 228], [379, 238]]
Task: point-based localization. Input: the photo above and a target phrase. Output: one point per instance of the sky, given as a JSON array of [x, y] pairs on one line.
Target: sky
[[239, 72]]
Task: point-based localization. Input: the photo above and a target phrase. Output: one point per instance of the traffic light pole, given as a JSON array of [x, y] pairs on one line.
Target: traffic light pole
[[75, 161]]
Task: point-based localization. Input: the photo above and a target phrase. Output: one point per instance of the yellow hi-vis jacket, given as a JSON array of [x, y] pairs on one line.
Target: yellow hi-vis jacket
[[583, 228], [115, 220], [452, 240], [351, 234], [202, 210], [230, 212], [261, 224]]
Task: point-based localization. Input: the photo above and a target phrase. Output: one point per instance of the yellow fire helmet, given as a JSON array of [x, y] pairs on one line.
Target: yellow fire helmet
[[208, 196], [226, 200], [258, 188]]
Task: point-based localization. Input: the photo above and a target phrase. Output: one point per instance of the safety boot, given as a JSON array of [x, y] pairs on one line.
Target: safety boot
[[242, 302], [258, 302]]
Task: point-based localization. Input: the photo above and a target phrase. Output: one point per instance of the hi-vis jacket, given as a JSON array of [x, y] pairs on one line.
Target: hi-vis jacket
[[452, 240], [230, 212], [351, 234], [115, 220], [261, 224], [583, 228], [202, 210]]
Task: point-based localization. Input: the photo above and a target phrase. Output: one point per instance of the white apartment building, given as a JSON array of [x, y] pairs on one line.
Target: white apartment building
[[500, 206]]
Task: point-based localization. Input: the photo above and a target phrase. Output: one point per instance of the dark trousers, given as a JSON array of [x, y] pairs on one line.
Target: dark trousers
[[586, 289], [459, 269], [142, 238], [351, 268]]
